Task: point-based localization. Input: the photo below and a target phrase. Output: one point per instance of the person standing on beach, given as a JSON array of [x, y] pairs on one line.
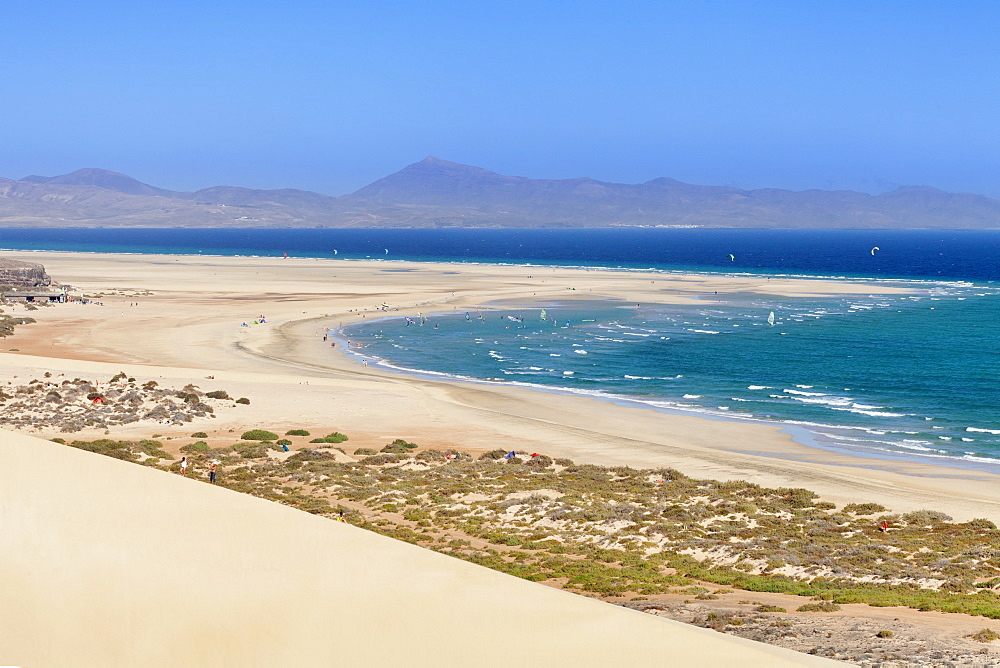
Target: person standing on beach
[[211, 473], [184, 465]]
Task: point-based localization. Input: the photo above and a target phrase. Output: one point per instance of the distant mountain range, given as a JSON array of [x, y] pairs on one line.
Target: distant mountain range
[[438, 193]]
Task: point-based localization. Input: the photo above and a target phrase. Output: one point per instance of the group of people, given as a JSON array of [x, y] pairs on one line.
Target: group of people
[[260, 320], [212, 470]]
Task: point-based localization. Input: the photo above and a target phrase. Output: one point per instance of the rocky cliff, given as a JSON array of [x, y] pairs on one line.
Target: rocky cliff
[[18, 275]]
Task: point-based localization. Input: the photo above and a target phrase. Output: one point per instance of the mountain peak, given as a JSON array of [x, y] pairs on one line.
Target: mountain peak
[[100, 178], [437, 165]]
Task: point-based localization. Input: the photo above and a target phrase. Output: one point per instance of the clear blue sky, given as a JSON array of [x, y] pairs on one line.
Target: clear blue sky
[[329, 96]]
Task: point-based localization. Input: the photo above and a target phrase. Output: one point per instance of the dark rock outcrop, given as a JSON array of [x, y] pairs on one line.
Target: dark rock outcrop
[[18, 275]]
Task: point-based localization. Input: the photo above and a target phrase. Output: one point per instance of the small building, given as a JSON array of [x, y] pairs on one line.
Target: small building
[[35, 296]]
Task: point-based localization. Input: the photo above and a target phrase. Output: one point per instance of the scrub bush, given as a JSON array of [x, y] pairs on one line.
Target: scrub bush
[[259, 435]]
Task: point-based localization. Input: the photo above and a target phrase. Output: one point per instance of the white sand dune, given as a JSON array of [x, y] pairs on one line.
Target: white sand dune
[[107, 563]]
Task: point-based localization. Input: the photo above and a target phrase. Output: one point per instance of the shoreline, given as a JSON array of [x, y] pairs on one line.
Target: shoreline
[[188, 329], [800, 434], [804, 433]]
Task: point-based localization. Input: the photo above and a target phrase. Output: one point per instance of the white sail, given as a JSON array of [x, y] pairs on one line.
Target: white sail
[[770, 318]]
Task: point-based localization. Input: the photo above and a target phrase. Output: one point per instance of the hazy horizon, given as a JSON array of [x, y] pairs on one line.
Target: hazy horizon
[[330, 98]]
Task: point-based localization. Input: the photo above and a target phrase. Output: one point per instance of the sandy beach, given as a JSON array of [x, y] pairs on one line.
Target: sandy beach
[[178, 321], [185, 325]]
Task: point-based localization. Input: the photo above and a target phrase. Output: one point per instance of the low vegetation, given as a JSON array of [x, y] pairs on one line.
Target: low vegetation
[[335, 437], [9, 322], [259, 435], [986, 635], [618, 531]]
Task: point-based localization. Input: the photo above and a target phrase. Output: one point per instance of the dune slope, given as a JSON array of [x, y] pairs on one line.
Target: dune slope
[[107, 563]]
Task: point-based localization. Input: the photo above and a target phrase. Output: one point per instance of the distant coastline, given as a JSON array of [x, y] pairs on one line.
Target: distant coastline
[[438, 194]]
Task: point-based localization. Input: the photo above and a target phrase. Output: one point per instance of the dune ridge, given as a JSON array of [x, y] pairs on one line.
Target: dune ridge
[[108, 563]]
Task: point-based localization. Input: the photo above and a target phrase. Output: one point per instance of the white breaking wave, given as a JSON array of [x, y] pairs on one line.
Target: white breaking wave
[[869, 413], [759, 387], [986, 431], [580, 351]]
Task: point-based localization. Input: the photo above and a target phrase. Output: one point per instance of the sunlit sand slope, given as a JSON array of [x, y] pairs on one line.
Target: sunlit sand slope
[[106, 563]]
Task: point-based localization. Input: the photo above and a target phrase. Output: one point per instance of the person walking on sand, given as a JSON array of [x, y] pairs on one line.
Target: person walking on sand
[[211, 473], [184, 465]]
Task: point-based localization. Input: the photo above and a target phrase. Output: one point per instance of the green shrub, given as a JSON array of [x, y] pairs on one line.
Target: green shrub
[[824, 606], [925, 517], [199, 434], [127, 450], [259, 435], [335, 437], [399, 446], [296, 432], [364, 451], [197, 446], [252, 450], [562, 461], [61, 441], [283, 441], [770, 608]]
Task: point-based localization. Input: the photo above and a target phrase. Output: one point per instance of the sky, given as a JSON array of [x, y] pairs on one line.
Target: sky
[[329, 96]]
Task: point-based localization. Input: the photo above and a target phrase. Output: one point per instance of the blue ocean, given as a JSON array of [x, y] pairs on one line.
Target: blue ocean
[[914, 376]]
